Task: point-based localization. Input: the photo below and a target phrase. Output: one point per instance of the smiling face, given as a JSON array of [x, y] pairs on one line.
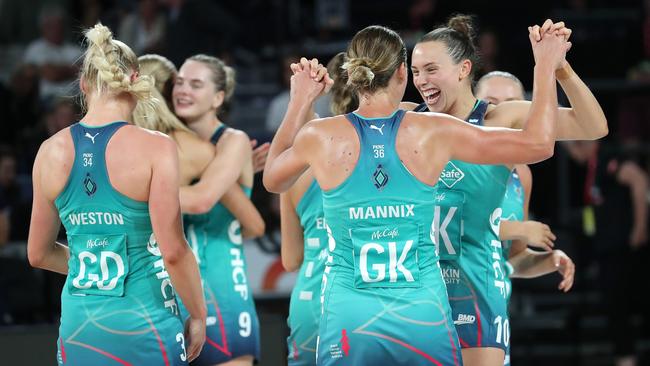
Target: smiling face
[[195, 93], [436, 76]]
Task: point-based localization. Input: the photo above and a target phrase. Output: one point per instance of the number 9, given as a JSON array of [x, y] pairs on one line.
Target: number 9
[[245, 324]]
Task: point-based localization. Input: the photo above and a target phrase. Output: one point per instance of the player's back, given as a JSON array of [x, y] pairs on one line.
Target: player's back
[[383, 261], [118, 292]]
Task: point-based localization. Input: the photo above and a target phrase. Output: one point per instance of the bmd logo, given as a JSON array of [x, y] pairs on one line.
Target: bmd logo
[[465, 319], [451, 175]]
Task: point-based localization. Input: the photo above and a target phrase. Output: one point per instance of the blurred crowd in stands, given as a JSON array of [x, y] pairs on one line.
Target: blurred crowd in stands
[[39, 61]]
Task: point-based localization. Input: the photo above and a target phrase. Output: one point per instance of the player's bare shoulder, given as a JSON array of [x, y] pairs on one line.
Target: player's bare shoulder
[[408, 106], [146, 142], [58, 149], [424, 121], [233, 134], [325, 124]]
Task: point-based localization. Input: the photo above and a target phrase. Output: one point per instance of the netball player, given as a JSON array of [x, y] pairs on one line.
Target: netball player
[[203, 85], [114, 187], [469, 196], [384, 299]]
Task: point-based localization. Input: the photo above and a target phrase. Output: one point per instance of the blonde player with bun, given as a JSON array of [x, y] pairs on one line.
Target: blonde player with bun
[[114, 187]]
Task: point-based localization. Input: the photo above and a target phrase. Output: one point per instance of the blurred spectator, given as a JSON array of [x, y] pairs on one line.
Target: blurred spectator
[[332, 14], [641, 71], [86, 13], [7, 175], [279, 103], [20, 104], [143, 29], [62, 113], [4, 222], [198, 26], [633, 117], [634, 109], [615, 191], [13, 202], [55, 58], [18, 20], [488, 48], [421, 14]]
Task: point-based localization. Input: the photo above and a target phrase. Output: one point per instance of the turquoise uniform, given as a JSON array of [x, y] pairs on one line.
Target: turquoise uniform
[[305, 307], [118, 305], [232, 324], [512, 210], [384, 298], [466, 231]]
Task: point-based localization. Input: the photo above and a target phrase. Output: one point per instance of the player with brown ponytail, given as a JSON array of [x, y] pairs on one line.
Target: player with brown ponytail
[[466, 230]]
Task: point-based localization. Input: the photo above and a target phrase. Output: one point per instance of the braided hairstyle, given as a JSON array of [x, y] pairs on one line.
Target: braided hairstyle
[[108, 65]]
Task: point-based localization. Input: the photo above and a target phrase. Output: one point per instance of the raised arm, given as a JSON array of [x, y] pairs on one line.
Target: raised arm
[[165, 212], [220, 175], [42, 249], [288, 155], [584, 120], [240, 205], [536, 141]]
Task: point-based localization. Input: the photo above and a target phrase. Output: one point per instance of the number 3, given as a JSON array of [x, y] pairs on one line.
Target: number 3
[[181, 338]]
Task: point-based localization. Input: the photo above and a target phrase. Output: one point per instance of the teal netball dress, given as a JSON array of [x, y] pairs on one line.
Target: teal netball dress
[[512, 210], [466, 231], [384, 298], [117, 306], [305, 307], [232, 326]]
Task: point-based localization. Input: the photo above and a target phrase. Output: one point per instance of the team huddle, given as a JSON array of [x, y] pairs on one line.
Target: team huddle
[[405, 220]]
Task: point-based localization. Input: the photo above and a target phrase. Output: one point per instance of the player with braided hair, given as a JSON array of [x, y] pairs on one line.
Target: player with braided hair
[[114, 187]]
